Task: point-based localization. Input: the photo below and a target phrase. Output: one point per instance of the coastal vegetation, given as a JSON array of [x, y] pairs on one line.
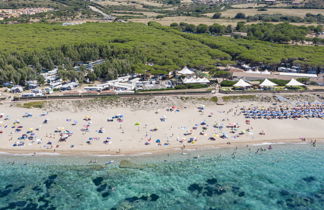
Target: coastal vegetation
[[33, 104], [280, 33], [28, 49], [239, 97]]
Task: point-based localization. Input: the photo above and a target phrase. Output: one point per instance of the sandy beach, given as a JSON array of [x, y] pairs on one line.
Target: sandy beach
[[144, 126]]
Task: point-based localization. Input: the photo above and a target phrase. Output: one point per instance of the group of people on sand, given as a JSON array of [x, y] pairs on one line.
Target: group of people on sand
[[211, 126]]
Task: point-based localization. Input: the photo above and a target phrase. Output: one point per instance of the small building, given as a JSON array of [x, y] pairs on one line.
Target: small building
[[69, 86], [93, 88], [31, 84], [16, 89], [26, 95], [37, 91], [48, 90], [270, 2]]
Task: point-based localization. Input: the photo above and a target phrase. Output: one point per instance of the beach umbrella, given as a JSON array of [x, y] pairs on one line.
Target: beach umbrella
[[137, 124], [158, 141]]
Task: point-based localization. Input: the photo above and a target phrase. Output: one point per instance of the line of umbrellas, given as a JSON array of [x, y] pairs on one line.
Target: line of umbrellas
[[293, 113]]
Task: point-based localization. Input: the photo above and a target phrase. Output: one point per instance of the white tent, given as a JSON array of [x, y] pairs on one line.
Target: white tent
[[265, 72], [294, 82], [242, 83], [195, 80], [267, 83], [249, 71], [186, 71]]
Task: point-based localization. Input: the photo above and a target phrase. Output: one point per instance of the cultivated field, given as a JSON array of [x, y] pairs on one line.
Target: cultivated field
[[200, 20], [137, 3], [187, 19], [127, 13], [255, 5]]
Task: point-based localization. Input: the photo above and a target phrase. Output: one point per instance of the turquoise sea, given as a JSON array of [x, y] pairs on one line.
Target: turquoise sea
[[289, 176]]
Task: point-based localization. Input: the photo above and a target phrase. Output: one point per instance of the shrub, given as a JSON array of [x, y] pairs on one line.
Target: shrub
[[227, 83], [303, 80], [214, 99], [34, 104], [240, 15], [191, 86], [217, 15], [279, 82], [241, 97]]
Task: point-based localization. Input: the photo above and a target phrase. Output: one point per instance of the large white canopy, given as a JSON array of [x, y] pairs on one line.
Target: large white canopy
[[267, 83], [185, 71], [195, 80], [242, 83], [294, 82]]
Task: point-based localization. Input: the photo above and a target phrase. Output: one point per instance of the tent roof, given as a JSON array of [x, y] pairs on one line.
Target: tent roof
[[186, 71], [266, 72], [294, 82], [241, 83], [267, 83], [195, 80]]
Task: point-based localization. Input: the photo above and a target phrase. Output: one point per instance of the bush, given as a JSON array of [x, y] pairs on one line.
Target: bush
[[240, 15], [262, 9], [313, 83], [303, 80], [191, 86], [279, 82], [217, 15], [227, 83], [241, 97], [34, 104], [214, 99]]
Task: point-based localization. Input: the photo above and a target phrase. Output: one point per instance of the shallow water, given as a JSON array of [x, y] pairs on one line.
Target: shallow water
[[286, 177]]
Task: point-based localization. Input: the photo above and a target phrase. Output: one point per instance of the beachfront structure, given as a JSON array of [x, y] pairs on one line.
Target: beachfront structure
[[186, 72], [16, 89], [194, 80], [32, 84], [69, 86], [48, 90], [298, 74], [267, 83], [242, 84], [93, 88], [295, 83], [26, 95]]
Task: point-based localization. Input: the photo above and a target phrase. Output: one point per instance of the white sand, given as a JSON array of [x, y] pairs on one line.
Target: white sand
[[127, 138]]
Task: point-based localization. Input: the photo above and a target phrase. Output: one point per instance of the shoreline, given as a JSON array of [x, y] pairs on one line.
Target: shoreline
[[170, 150]]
